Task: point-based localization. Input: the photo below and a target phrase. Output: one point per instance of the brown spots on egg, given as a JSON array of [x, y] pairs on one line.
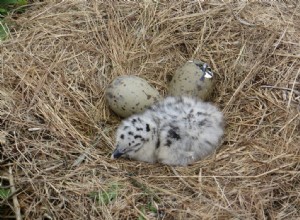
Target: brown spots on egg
[[127, 95]]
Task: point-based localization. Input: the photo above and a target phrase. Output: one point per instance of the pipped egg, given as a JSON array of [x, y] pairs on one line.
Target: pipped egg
[[194, 78], [128, 95]]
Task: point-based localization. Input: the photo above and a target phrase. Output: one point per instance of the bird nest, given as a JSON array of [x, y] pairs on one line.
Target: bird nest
[[57, 133]]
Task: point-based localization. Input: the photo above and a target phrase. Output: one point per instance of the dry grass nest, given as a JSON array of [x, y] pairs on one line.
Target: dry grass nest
[[57, 132]]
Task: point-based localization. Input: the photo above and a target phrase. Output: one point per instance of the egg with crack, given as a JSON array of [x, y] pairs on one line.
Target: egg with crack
[[128, 95], [194, 78]]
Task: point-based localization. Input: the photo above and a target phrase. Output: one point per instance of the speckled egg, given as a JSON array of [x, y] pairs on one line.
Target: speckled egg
[[128, 95], [194, 78]]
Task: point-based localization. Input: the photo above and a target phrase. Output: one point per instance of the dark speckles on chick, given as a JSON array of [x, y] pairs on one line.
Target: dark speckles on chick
[[169, 105], [168, 143], [204, 122], [122, 136], [201, 113], [157, 143], [180, 99], [209, 143], [173, 134], [188, 105], [148, 127], [145, 139]]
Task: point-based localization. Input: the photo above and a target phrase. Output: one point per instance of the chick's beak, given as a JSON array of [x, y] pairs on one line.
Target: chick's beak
[[116, 154]]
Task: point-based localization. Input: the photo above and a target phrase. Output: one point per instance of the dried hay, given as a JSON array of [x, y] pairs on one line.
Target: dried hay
[[57, 132]]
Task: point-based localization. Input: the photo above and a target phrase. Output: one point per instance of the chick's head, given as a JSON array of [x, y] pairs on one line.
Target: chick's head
[[131, 137]]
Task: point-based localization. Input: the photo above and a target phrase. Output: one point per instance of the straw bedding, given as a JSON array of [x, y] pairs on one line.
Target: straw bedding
[[57, 132]]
